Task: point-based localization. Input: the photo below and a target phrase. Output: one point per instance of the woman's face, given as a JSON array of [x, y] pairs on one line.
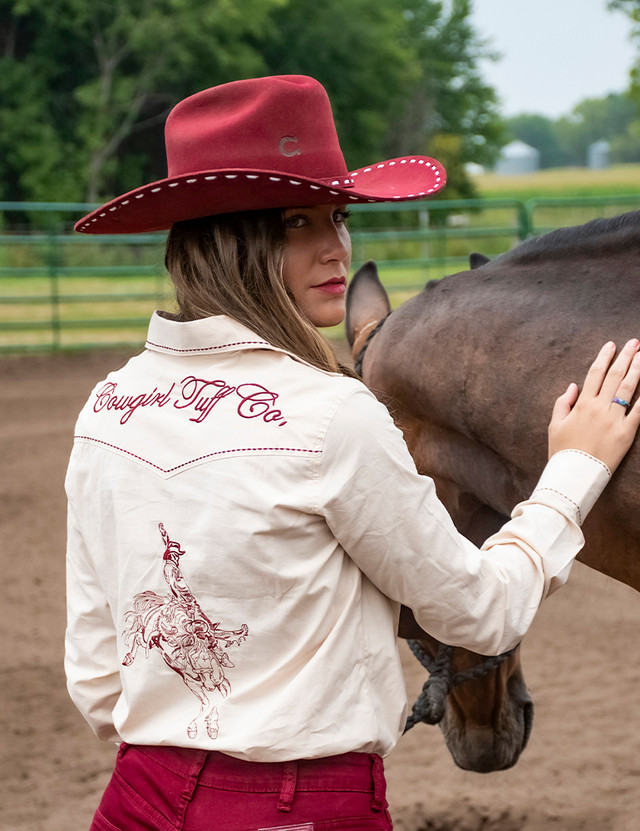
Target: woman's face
[[317, 256]]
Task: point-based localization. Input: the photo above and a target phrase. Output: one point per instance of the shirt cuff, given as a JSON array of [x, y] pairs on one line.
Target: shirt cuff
[[571, 483]]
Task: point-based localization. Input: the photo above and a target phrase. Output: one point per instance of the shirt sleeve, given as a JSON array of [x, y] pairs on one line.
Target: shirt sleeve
[[390, 522], [91, 661]]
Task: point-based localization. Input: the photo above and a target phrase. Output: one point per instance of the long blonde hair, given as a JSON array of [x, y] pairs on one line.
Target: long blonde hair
[[231, 264]]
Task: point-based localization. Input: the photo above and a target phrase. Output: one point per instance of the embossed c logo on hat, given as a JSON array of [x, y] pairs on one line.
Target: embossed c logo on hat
[[289, 146]]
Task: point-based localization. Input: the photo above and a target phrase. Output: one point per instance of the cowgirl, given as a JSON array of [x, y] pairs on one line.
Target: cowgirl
[[244, 517]]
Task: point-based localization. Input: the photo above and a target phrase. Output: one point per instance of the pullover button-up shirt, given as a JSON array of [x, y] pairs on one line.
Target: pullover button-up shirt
[[243, 528]]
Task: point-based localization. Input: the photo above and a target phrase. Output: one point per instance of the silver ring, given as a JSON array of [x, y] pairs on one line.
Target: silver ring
[[616, 400]]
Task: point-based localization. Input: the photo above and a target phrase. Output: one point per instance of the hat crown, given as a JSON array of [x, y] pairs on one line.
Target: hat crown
[[281, 123]]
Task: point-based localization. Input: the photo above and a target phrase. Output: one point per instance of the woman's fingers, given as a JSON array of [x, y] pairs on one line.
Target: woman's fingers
[[565, 402], [604, 377], [617, 377], [598, 370], [627, 386]]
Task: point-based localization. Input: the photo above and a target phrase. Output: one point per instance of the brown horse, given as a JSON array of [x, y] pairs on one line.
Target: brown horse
[[470, 368]]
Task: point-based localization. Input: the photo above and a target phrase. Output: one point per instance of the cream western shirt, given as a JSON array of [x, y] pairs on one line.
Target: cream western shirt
[[242, 531]]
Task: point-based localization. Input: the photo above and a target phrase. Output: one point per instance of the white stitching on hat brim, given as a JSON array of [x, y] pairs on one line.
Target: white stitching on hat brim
[[437, 177]]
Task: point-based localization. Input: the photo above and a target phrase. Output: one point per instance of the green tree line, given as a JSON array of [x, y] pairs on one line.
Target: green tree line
[[565, 141], [86, 85]]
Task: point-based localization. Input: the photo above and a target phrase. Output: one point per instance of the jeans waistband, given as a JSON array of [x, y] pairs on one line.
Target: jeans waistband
[[362, 772]]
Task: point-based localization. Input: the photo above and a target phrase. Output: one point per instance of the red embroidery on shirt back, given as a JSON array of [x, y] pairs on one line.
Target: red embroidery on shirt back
[[106, 398], [188, 641], [198, 395]]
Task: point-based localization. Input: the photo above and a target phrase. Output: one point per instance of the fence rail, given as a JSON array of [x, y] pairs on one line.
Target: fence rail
[[61, 290]]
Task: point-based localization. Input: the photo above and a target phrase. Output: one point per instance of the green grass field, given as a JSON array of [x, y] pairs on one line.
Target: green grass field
[[64, 307], [562, 182]]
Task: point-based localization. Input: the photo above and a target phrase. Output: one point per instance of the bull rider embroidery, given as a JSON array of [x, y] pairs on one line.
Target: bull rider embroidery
[[189, 643]]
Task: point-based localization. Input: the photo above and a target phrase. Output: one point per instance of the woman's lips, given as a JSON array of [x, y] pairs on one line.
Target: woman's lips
[[337, 285]]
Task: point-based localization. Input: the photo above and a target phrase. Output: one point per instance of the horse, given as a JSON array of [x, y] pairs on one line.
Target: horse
[[470, 368]]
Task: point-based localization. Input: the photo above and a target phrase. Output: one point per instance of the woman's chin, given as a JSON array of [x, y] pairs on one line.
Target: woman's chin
[[332, 315]]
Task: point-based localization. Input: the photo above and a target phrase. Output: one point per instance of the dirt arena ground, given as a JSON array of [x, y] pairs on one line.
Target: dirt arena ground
[[581, 771]]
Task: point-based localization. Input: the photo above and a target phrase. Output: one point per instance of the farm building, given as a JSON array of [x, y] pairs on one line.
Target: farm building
[[598, 155], [517, 157]]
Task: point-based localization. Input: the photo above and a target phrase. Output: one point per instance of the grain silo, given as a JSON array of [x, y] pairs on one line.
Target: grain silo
[[517, 157]]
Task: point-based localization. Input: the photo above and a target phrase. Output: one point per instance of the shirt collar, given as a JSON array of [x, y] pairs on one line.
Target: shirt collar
[[201, 337], [207, 336]]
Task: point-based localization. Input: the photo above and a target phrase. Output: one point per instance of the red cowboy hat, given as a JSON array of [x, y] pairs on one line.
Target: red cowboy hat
[[261, 143]]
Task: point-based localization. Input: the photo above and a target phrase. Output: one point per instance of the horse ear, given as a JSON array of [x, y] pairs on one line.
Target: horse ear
[[477, 260], [367, 300]]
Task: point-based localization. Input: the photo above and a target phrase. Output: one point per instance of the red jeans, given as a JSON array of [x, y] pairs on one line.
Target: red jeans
[[178, 789]]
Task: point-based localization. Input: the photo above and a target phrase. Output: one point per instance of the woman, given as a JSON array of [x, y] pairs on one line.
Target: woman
[[245, 519]]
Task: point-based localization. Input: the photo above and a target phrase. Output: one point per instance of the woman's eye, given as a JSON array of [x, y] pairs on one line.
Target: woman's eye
[[294, 221], [342, 215]]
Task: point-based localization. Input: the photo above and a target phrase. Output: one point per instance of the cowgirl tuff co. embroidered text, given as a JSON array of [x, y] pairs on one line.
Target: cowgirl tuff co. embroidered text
[[199, 396]]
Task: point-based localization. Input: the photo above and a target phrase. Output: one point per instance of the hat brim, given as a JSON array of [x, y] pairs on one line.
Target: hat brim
[[157, 206]]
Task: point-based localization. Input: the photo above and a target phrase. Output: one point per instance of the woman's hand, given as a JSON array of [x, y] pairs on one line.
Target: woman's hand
[[591, 421]]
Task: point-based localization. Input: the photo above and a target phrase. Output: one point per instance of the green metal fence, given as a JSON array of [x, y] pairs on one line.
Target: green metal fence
[[61, 290]]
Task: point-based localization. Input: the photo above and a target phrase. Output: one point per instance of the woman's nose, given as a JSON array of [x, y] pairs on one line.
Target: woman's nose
[[336, 243]]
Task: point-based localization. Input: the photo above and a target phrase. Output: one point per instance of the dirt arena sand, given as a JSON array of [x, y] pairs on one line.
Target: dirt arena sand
[[580, 772]]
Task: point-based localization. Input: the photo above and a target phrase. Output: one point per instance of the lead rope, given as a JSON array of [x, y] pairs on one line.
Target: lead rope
[[430, 705]]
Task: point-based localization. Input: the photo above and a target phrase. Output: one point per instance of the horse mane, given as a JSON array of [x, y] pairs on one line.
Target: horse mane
[[597, 238]]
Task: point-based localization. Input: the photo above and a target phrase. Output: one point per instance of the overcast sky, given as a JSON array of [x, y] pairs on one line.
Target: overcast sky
[[555, 53]]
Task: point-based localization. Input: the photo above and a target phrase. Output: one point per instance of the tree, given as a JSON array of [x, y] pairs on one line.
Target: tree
[[100, 72], [566, 141], [626, 147], [632, 9], [611, 118], [449, 105], [33, 153], [85, 86]]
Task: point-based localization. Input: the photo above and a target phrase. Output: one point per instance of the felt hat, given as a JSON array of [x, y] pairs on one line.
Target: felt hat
[[252, 144]]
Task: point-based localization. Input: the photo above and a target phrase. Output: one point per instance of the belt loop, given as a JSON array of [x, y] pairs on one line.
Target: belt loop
[[289, 780], [197, 761], [379, 802]]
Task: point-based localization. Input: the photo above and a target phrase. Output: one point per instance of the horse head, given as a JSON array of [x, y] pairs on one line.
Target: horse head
[[481, 705]]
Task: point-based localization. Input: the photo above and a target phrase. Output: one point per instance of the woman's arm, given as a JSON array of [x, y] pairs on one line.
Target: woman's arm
[[389, 520], [91, 660]]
